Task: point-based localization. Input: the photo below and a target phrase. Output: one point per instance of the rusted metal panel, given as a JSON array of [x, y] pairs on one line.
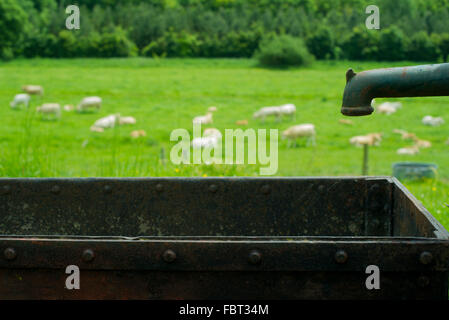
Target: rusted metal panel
[[249, 285], [410, 218], [226, 255], [237, 238], [182, 207]]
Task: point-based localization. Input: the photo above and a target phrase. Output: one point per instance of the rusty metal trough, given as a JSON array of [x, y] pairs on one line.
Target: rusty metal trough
[[218, 238]]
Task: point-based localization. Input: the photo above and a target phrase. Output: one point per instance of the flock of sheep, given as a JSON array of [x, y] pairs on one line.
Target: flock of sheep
[[374, 139], [53, 110], [212, 136]]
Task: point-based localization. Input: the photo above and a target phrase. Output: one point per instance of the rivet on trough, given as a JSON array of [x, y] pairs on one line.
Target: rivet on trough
[[159, 187], [423, 281], [107, 189], [213, 188], [169, 256], [6, 189], [255, 257], [265, 189], [10, 254], [56, 189], [341, 256], [426, 257], [88, 255], [321, 188]]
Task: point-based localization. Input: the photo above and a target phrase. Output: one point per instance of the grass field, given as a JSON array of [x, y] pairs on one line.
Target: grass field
[[166, 94]]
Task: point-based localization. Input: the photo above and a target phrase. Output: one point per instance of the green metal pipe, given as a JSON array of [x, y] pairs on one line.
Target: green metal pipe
[[418, 81]]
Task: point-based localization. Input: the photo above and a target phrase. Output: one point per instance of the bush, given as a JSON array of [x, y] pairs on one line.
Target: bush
[[173, 44], [322, 44], [422, 48], [443, 45], [12, 19], [116, 44], [283, 51], [67, 45], [362, 44], [392, 45], [40, 45], [232, 44]]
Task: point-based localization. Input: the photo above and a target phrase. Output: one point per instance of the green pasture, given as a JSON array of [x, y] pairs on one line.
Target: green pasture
[[166, 94]]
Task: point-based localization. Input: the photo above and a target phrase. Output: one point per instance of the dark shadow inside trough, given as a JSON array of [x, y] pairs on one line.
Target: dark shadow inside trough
[[213, 207]]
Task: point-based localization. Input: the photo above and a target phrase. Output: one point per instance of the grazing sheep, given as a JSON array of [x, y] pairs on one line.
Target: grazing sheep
[[288, 109], [207, 119], [371, 139], [422, 143], [408, 150], [212, 132], [266, 112], [306, 130], [127, 120], [89, 102], [204, 142], [105, 123], [432, 121], [21, 98], [241, 122], [388, 108], [405, 135], [346, 122], [68, 107], [50, 109], [138, 133], [33, 90], [212, 109]]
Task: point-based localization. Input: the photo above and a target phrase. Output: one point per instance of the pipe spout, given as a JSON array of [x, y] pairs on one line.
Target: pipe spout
[[418, 81]]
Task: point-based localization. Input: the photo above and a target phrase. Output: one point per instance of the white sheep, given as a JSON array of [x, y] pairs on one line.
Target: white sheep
[[388, 108], [422, 143], [68, 108], [204, 142], [89, 102], [105, 123], [405, 135], [33, 89], [50, 109], [212, 109], [371, 139], [138, 133], [212, 132], [266, 112], [21, 98], [288, 109], [306, 130], [408, 150], [127, 120], [207, 119], [432, 121]]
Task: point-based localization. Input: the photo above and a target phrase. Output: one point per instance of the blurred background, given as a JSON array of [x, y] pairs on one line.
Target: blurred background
[[165, 62]]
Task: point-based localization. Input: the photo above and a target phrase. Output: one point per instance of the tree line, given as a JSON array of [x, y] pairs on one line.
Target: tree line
[[410, 29]]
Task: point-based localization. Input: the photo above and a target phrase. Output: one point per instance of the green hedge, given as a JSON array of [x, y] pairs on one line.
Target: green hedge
[[223, 28]]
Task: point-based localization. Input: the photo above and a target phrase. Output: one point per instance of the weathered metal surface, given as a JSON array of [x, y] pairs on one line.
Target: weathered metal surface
[[235, 238], [183, 207], [416, 81], [49, 284], [228, 255]]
